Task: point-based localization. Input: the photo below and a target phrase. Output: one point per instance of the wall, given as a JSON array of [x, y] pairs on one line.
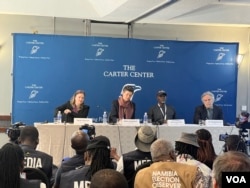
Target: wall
[[48, 25]]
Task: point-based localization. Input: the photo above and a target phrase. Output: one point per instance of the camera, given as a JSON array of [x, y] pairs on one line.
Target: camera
[[89, 130], [14, 132], [223, 137]]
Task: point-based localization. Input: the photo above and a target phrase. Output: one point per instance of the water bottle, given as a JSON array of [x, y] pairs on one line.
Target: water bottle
[[105, 117], [59, 117], [145, 118]]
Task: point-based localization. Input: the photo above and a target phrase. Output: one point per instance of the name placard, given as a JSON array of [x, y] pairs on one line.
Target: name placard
[[176, 122], [82, 121], [214, 123], [130, 122]]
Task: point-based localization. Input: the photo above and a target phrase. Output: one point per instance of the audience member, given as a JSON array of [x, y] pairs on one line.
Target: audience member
[[208, 110], [75, 108], [165, 171], [108, 178], [161, 112], [123, 107], [234, 143], [232, 161], [79, 142], [11, 167], [128, 162], [29, 139], [97, 157], [206, 153], [186, 147], [242, 122]]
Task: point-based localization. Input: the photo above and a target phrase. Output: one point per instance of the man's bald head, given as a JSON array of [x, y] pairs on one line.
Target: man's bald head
[[79, 141]]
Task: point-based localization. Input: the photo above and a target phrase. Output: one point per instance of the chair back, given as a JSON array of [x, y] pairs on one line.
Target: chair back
[[36, 174]]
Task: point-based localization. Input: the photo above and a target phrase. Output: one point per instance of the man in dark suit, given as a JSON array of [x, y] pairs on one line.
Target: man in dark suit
[[161, 112], [208, 110]]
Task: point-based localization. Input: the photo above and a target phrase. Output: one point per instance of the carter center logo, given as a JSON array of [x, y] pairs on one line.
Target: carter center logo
[[33, 94], [220, 56], [34, 49], [99, 51]]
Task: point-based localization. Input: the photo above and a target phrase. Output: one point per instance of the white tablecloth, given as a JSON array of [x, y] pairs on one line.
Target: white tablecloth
[[54, 139]]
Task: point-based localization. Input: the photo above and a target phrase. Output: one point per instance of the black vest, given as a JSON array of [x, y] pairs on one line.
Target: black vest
[[76, 178], [131, 161]]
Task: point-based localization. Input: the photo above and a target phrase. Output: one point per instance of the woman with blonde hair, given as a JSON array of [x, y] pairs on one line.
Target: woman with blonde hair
[[74, 108]]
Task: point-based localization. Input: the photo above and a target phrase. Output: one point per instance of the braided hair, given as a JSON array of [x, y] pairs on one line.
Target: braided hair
[[100, 160]]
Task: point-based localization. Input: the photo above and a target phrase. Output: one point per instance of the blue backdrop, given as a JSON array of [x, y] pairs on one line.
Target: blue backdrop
[[48, 69]]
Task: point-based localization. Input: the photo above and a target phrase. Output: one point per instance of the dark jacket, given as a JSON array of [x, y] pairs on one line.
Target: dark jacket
[[156, 115], [201, 113], [131, 161], [38, 159], [114, 113], [83, 113], [70, 164]]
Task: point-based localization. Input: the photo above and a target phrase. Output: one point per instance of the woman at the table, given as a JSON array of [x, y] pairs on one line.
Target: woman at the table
[[123, 107], [74, 108]]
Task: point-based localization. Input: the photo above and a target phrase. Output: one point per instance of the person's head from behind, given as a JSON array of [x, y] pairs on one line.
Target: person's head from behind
[[108, 178], [79, 141], [204, 134], [78, 98], [162, 150], [232, 161], [127, 93], [206, 152], [207, 99], [161, 97], [97, 154], [11, 164], [29, 136], [187, 144], [234, 143], [145, 136]]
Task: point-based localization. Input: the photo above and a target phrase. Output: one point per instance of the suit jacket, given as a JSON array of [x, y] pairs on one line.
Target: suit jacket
[[83, 113], [114, 113], [156, 115], [201, 113]]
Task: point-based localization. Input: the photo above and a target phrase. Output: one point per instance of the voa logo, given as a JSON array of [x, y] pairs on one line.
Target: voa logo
[[236, 179]]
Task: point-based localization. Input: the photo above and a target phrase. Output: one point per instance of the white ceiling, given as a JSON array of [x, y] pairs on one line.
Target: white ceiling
[[187, 12]]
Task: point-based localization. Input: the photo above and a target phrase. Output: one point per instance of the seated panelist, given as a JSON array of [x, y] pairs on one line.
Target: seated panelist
[[208, 110], [123, 107], [161, 112], [75, 108]]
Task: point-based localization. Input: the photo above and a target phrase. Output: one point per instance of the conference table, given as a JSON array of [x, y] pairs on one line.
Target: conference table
[[54, 139]]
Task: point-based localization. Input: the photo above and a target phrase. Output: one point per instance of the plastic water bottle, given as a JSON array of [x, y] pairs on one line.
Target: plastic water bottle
[[105, 117], [59, 117], [145, 118]]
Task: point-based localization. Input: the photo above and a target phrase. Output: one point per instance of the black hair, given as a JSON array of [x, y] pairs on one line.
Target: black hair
[[29, 133], [11, 164], [100, 159], [183, 148], [129, 88]]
